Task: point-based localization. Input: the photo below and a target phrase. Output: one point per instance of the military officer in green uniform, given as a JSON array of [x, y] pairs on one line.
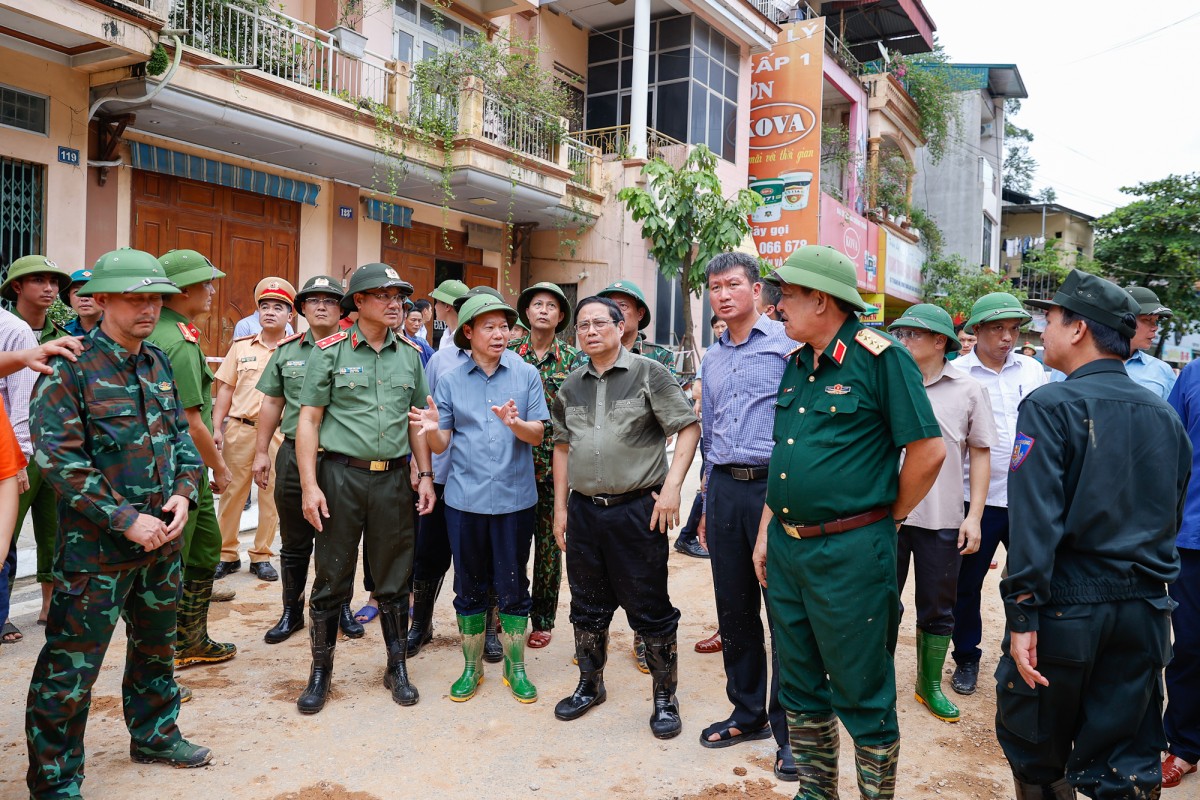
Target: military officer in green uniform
[[851, 400], [113, 442], [358, 388], [629, 298], [194, 274], [281, 382], [32, 286], [544, 311], [1097, 479]]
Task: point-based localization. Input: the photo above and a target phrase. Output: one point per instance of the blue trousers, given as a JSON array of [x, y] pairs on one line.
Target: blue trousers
[[1182, 720], [490, 550], [968, 625]]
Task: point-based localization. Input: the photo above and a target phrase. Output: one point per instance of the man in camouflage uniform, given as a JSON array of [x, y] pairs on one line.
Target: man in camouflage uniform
[[544, 311], [113, 442]]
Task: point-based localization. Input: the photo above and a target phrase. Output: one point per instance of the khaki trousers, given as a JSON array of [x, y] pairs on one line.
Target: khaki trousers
[[238, 452]]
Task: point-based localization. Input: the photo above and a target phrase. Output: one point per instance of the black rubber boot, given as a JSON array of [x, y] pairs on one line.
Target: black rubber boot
[[493, 651], [294, 572], [323, 636], [393, 619], [663, 661], [1059, 790], [591, 651], [349, 625], [425, 595]]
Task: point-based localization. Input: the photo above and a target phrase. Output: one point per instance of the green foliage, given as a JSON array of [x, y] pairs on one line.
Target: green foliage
[[955, 285], [933, 87], [886, 183], [1154, 241], [1047, 195], [60, 313], [158, 62], [931, 235], [1019, 167]]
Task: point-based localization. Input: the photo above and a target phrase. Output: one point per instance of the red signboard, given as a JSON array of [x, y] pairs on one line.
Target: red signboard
[[854, 235]]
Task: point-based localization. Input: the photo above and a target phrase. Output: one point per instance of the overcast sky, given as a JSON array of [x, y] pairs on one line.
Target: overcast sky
[[1112, 87]]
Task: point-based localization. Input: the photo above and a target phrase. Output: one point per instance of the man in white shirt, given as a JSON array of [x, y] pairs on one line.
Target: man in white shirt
[[1008, 377]]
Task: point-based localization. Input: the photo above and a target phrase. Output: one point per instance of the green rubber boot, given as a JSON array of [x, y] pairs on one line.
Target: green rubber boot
[[931, 655], [467, 684], [512, 636]]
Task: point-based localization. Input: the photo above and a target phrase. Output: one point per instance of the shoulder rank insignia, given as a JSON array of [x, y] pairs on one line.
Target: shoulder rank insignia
[[190, 332], [244, 338], [875, 342], [411, 344], [287, 339], [837, 388], [795, 350], [329, 341]]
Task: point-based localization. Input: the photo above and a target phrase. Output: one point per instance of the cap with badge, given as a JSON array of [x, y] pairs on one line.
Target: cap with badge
[[187, 267], [275, 289], [1148, 302], [550, 288], [993, 308], [479, 304], [449, 291], [78, 278], [30, 265], [127, 271], [928, 317], [320, 284], [817, 266], [373, 276], [633, 290], [1094, 298]]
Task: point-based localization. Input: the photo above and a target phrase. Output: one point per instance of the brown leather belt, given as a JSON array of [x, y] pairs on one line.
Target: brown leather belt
[[610, 500], [740, 472], [372, 466], [835, 526], [253, 423]]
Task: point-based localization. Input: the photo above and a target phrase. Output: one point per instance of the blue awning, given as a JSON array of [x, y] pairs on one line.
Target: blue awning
[[197, 168], [389, 213]]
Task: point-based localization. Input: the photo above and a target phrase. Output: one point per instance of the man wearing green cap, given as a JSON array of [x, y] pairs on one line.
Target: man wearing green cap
[[544, 310], [1008, 377], [937, 533], [32, 286], [490, 413], [851, 401], [87, 313], [629, 298], [358, 387], [113, 441], [1098, 474], [194, 274], [445, 311], [1146, 370]]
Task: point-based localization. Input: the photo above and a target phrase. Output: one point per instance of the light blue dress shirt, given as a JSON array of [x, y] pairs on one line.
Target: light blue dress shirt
[[439, 364], [1152, 373]]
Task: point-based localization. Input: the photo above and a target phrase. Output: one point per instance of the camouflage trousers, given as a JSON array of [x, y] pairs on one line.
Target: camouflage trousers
[[547, 561], [83, 614]]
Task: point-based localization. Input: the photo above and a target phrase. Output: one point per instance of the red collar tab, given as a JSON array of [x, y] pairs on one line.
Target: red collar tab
[[839, 352]]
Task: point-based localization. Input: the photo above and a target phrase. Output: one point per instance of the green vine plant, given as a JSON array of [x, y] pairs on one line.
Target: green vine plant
[[836, 158], [885, 182], [933, 86]]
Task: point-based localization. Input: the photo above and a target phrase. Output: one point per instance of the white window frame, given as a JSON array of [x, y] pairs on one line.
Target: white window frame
[[423, 37]]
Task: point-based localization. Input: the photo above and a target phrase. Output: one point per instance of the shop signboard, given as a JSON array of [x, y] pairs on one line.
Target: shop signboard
[[844, 229], [903, 276]]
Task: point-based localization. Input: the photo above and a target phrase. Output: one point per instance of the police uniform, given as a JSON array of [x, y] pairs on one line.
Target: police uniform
[[1099, 470], [113, 442], [841, 423], [180, 340]]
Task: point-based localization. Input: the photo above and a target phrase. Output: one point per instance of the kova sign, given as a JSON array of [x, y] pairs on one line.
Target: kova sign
[[785, 140]]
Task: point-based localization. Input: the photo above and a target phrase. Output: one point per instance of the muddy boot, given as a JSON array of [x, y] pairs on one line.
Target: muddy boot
[[512, 637], [931, 657], [493, 651], [877, 770], [814, 742], [349, 625], [393, 619], [185, 693], [471, 629], [591, 651], [192, 644], [425, 594], [323, 638], [663, 661], [1059, 790], [294, 572], [182, 755]]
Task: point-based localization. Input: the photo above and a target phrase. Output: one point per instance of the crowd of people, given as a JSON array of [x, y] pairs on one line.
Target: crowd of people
[[465, 432]]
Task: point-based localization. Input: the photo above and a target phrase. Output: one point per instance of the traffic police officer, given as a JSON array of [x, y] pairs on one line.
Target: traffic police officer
[[113, 442], [180, 340], [850, 402], [358, 388], [1099, 469]]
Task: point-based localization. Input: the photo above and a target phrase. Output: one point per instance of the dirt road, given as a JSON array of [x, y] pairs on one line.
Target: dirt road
[[364, 747]]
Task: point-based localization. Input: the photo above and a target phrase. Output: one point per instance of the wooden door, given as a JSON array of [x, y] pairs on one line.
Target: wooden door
[[479, 275]]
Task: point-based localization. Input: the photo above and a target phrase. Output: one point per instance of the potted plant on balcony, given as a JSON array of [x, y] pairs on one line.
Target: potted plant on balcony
[[349, 40]]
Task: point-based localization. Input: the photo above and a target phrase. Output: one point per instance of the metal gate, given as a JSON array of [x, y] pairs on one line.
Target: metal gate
[[22, 203]]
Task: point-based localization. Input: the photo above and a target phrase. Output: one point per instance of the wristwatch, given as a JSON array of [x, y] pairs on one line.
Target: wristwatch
[[424, 475]]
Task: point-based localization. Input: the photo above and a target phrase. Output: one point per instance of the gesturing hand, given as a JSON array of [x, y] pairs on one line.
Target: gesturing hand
[[507, 413], [426, 419]]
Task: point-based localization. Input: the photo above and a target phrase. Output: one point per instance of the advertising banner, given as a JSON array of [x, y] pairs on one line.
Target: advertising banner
[[845, 230], [903, 276], [785, 139]]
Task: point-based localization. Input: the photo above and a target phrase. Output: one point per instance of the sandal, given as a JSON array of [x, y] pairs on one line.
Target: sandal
[[11, 634], [785, 765], [1173, 770], [367, 613], [727, 739], [712, 644], [538, 639]]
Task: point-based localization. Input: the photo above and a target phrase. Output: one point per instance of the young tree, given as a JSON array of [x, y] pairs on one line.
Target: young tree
[[688, 221], [1019, 167]]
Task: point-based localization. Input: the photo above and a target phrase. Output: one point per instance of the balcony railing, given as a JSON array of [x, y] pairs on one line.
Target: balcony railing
[[580, 159], [615, 142], [840, 52], [531, 134], [154, 8]]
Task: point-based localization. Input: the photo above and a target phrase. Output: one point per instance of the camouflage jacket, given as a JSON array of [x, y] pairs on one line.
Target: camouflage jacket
[[112, 440], [561, 359]]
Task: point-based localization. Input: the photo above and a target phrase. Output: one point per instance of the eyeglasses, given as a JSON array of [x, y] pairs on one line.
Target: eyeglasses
[[386, 298], [599, 325], [909, 333], [321, 301]]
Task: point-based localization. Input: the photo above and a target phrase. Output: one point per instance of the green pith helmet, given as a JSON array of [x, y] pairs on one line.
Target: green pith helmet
[[994, 307], [928, 317], [633, 290], [127, 271], [187, 267], [487, 291], [78, 277], [31, 265], [373, 276], [449, 291], [1094, 298], [320, 284], [480, 304], [816, 266], [527, 297], [1148, 302]]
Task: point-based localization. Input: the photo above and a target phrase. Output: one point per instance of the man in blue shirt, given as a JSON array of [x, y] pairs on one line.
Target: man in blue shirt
[[1146, 370], [494, 406]]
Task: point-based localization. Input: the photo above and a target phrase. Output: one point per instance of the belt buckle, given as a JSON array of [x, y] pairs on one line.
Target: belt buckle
[[600, 501], [791, 530], [740, 473], [379, 466]]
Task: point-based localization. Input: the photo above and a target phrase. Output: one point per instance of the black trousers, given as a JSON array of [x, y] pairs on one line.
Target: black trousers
[[1099, 722], [936, 563], [733, 511], [613, 558], [968, 622], [295, 534], [491, 550], [432, 558]]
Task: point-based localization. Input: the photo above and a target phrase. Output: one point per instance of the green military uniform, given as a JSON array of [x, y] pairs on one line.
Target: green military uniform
[[113, 442], [841, 423]]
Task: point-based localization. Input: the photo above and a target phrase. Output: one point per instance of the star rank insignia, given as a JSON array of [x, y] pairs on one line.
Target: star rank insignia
[[190, 332], [874, 342]]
